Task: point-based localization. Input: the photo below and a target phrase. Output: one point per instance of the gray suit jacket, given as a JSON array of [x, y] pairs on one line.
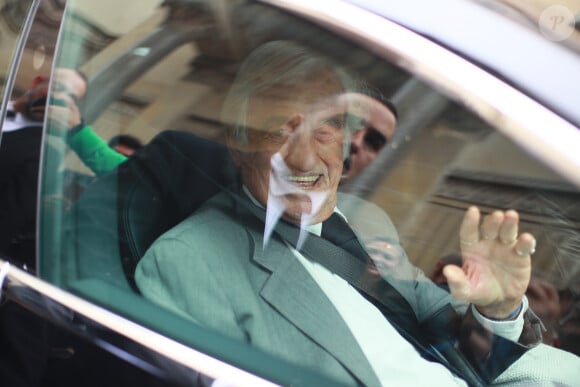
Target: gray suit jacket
[[213, 269]]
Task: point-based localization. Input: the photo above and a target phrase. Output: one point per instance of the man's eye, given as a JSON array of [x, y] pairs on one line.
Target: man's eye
[[277, 136], [326, 134], [337, 122]]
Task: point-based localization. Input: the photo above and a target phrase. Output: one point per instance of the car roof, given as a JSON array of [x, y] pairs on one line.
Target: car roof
[[498, 40]]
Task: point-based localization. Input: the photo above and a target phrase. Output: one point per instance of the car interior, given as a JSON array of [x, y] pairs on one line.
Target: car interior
[[164, 82]]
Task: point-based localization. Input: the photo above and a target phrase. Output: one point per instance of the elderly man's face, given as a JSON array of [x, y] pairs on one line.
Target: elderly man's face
[[302, 127]]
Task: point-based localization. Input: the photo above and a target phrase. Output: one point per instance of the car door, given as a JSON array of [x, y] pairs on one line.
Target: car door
[[16, 30], [37, 350], [17, 24], [467, 134]]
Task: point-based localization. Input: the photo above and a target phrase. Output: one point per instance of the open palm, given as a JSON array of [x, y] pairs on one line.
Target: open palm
[[496, 265]]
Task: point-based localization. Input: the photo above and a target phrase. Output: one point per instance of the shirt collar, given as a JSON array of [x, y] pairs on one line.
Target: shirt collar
[[18, 121]]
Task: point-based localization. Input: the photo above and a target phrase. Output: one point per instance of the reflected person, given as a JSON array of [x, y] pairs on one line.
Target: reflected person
[[288, 137], [66, 120], [375, 118], [19, 160]]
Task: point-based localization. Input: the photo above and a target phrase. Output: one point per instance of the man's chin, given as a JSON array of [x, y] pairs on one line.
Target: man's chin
[[297, 205], [307, 209]]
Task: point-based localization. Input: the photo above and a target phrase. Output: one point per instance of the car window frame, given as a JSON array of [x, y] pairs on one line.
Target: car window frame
[[15, 61], [433, 63]]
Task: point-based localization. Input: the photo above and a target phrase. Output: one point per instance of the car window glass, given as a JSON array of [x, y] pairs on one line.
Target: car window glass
[[406, 160], [13, 16], [37, 26]]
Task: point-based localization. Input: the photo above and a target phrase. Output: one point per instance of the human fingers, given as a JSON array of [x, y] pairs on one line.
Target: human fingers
[[64, 118], [68, 106], [70, 81], [525, 246], [508, 231], [458, 282], [58, 117], [543, 298], [62, 99], [36, 113], [491, 225], [539, 289], [469, 229]]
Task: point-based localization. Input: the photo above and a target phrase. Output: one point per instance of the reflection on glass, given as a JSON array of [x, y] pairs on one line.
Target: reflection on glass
[[12, 18], [292, 127]]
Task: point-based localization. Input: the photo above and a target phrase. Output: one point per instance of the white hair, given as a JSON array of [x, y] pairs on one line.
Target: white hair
[[272, 65]]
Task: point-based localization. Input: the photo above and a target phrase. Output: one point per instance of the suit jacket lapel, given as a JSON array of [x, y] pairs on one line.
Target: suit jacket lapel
[[295, 295]]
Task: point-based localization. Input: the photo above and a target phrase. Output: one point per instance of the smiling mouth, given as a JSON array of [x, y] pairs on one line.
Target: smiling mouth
[[304, 182]]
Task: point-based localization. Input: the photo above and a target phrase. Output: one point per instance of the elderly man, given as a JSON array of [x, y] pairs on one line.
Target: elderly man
[[246, 264]]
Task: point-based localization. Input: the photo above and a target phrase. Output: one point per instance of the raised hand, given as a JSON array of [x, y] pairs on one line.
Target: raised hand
[[65, 114], [496, 263]]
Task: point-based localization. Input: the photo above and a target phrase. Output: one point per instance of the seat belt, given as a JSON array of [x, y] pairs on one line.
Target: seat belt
[[388, 300]]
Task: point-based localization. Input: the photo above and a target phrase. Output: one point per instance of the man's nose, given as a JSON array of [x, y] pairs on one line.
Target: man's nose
[[300, 151]]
